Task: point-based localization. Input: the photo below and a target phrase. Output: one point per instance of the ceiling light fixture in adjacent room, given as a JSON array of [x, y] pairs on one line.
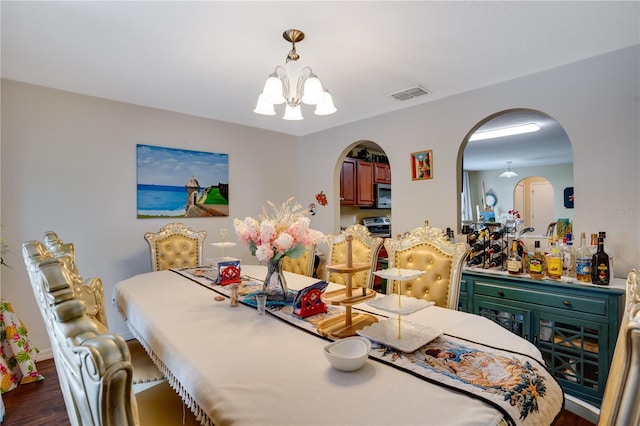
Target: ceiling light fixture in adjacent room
[[508, 173], [505, 131], [308, 89]]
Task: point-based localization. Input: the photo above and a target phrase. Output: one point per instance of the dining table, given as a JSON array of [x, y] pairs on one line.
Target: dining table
[[232, 365]]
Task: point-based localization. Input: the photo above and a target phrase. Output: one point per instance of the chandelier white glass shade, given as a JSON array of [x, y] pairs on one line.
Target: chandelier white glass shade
[[508, 173], [308, 89]]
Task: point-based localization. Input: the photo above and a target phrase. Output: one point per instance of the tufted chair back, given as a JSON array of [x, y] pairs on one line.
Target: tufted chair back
[[364, 249], [428, 249], [175, 246], [303, 264], [621, 400]]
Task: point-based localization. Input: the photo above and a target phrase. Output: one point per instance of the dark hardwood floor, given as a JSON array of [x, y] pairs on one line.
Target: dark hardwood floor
[[41, 403], [38, 403]]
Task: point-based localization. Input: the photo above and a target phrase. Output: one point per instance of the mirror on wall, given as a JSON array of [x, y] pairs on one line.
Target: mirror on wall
[[515, 160], [533, 198]]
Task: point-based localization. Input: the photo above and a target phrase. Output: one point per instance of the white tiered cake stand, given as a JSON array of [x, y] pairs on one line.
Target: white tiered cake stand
[[404, 335], [222, 244]]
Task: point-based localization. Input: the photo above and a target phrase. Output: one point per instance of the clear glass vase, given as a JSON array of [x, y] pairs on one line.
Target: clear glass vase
[[275, 285]]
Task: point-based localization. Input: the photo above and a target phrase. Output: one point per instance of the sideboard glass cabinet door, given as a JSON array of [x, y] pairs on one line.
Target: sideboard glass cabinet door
[[516, 320], [571, 350], [575, 327]]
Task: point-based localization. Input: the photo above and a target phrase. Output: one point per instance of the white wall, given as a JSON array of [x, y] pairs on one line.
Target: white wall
[[68, 164], [596, 102]]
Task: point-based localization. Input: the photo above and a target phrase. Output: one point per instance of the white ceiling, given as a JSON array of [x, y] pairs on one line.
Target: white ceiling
[[210, 59]]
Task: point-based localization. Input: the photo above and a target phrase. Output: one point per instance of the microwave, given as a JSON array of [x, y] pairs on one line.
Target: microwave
[[382, 194]]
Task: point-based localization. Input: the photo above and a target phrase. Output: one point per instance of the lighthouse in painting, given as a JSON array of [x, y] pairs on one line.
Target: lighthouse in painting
[[192, 191]]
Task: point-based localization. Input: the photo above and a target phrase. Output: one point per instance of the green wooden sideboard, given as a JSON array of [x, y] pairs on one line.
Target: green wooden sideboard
[[575, 326]]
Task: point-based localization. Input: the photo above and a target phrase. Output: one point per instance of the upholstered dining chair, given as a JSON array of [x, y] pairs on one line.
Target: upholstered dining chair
[[428, 249], [91, 292], [303, 264], [621, 400], [175, 246], [94, 367], [364, 249]]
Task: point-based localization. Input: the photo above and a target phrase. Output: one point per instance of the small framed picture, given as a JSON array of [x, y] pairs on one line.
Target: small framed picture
[[422, 165], [487, 216]]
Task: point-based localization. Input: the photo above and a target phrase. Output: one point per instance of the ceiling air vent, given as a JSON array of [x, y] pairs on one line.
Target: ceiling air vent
[[410, 93]]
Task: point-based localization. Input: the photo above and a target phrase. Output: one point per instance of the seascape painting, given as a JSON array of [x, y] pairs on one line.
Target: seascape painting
[[176, 183]]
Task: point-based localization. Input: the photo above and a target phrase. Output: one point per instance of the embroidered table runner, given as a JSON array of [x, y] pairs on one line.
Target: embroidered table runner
[[517, 385]]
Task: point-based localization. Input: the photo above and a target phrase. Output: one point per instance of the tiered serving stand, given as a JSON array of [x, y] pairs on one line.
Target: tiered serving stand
[[404, 336], [348, 323], [222, 244]]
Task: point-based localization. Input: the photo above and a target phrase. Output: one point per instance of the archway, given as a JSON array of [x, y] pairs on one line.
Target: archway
[[353, 211], [546, 152]]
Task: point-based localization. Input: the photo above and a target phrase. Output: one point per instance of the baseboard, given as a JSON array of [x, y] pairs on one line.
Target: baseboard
[[582, 409], [44, 354]]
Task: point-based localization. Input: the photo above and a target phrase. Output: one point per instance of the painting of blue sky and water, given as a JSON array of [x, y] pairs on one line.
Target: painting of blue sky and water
[[181, 183]]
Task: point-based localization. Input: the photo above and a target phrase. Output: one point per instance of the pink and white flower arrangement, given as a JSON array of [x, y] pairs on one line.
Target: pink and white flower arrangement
[[285, 232]]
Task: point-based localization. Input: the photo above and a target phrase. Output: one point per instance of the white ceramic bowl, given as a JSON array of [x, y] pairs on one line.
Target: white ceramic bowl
[[348, 354]]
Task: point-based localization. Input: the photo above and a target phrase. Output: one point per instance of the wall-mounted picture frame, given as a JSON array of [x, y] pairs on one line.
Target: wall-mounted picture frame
[[422, 165], [174, 183], [487, 216], [568, 197]]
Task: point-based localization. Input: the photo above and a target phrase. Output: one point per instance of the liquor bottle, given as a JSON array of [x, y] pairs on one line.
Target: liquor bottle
[[497, 234], [451, 235], [471, 238], [514, 261], [536, 262], [479, 246], [495, 248], [583, 260], [600, 273], [569, 258], [604, 237], [545, 254], [476, 260], [554, 265], [497, 260], [594, 243]]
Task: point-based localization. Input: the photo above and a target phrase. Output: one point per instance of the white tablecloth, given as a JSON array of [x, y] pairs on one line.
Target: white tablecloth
[[248, 369]]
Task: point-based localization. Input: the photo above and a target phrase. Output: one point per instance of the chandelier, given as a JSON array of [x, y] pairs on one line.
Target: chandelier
[[308, 89], [508, 173]]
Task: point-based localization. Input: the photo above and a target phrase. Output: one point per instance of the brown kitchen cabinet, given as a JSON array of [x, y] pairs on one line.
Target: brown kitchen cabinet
[[364, 187], [381, 173], [356, 183], [348, 182]]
